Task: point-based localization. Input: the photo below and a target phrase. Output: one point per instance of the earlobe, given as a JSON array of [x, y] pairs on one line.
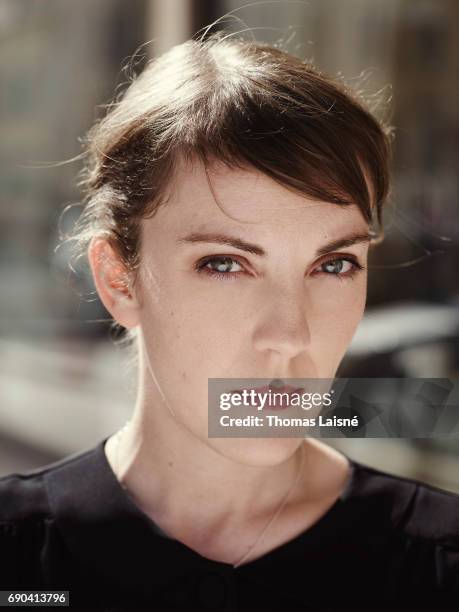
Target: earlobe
[[112, 283]]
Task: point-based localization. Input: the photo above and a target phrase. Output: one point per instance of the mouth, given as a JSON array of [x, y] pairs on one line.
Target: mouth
[[275, 386]]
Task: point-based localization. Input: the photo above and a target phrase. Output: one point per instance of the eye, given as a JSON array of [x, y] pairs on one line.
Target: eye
[[337, 266], [222, 267], [223, 264]]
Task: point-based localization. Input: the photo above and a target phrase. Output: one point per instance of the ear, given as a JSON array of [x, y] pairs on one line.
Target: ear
[[112, 283]]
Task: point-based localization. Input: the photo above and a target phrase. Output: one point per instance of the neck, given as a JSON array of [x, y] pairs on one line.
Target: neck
[[212, 503], [163, 476]]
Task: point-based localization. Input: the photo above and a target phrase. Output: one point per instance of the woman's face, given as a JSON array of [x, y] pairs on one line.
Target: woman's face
[[223, 298]]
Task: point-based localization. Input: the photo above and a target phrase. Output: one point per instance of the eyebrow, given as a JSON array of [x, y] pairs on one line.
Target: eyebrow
[[255, 249]]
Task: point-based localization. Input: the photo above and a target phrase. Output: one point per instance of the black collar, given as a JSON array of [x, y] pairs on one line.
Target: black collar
[[107, 531]]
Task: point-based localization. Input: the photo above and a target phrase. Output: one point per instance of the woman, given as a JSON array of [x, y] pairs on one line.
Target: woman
[[230, 198]]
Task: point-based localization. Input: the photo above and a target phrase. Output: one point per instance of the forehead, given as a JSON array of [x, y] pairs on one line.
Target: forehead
[[218, 196]]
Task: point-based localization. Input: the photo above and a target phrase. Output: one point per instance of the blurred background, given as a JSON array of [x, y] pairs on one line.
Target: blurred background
[[62, 386]]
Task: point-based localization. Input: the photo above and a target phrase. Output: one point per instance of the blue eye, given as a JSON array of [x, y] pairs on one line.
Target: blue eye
[[225, 263], [338, 265]]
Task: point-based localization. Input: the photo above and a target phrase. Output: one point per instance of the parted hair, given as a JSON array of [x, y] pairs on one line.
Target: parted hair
[[244, 103]]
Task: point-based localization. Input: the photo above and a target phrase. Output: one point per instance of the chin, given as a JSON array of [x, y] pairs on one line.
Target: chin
[[257, 452]]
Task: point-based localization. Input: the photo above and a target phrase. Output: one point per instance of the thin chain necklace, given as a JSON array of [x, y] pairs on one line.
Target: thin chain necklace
[[281, 506], [278, 511]]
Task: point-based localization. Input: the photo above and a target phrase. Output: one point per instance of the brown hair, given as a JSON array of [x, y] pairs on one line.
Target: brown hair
[[245, 103]]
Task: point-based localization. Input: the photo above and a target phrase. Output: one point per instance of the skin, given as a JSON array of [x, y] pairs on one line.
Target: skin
[[284, 315]]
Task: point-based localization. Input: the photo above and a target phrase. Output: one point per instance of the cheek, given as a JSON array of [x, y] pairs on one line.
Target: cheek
[[187, 325], [337, 312]]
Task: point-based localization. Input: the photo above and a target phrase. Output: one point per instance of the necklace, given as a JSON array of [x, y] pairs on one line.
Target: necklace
[[278, 511], [281, 506]]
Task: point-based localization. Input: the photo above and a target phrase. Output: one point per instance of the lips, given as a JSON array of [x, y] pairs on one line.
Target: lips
[[275, 386], [276, 389]]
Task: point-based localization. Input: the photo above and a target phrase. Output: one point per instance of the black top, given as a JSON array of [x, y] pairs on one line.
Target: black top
[[387, 543]]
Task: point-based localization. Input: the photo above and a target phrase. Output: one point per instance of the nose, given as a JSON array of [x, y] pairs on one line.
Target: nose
[[283, 326]]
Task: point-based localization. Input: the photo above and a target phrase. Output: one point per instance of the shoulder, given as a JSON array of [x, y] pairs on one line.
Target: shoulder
[[29, 537], [413, 507], [24, 510], [22, 497], [412, 527], [28, 496], [25, 516], [25, 496]]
